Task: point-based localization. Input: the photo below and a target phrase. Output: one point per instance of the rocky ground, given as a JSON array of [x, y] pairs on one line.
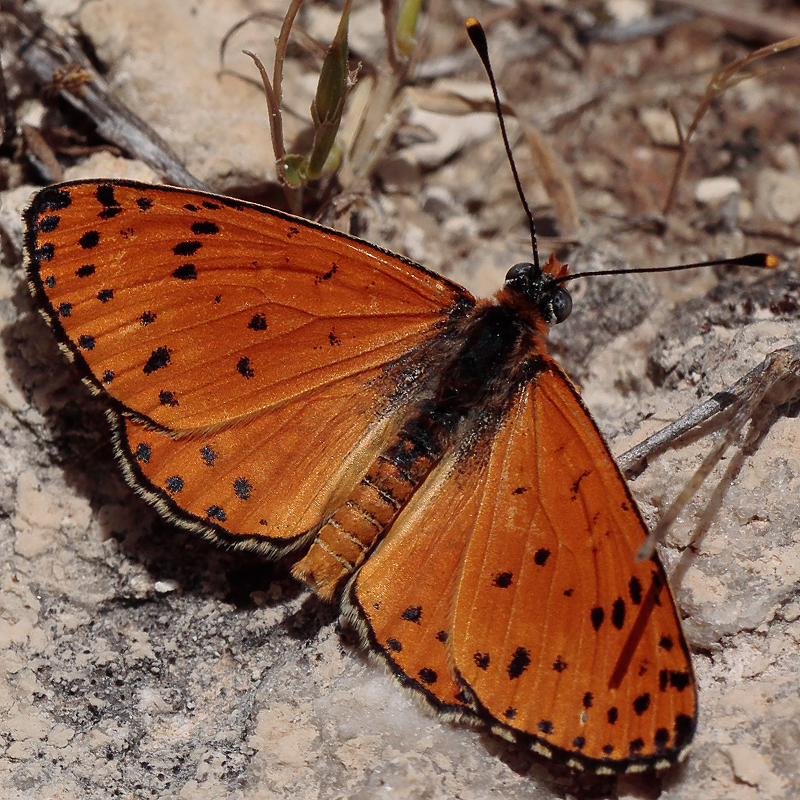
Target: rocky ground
[[138, 661]]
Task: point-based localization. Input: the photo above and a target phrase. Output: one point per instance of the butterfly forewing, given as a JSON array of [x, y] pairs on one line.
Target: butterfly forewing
[[552, 553], [196, 311], [254, 349]]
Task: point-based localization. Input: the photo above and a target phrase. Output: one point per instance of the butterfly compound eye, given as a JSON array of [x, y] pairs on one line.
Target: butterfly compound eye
[[553, 300], [560, 304], [527, 280]]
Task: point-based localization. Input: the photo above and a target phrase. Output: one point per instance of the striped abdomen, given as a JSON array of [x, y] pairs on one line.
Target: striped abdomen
[[344, 540]]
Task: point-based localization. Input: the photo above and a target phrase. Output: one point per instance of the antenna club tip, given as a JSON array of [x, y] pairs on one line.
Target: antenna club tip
[[477, 37], [763, 260]]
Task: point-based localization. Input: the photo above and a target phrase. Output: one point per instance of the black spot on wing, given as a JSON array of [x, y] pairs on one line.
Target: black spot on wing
[[159, 358], [520, 661], [51, 199], [503, 580], [208, 455], [618, 613], [186, 248], [327, 275], [635, 590], [200, 228], [174, 484], [679, 680], [242, 488], [45, 252], [258, 323], [641, 704], [575, 488], [412, 614], [428, 676], [244, 369], [186, 272], [85, 271], [89, 240], [47, 224], [105, 196]]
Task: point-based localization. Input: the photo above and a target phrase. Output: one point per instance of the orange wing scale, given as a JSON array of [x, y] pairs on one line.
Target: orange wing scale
[[555, 632], [278, 385], [401, 599]]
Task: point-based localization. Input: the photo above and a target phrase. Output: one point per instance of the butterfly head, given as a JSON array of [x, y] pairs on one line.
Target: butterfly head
[[540, 287]]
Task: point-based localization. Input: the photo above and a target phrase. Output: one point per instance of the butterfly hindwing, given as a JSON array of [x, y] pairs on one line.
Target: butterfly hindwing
[[558, 635], [401, 599], [240, 484]]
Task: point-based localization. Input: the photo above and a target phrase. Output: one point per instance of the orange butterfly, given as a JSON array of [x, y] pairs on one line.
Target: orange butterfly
[[280, 386]]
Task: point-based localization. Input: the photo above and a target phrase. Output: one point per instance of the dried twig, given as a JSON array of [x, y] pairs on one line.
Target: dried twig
[[771, 384], [721, 81], [46, 52], [760, 25]]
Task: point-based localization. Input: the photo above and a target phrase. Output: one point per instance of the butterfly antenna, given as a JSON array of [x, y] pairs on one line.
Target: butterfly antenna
[[478, 39], [761, 260]]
